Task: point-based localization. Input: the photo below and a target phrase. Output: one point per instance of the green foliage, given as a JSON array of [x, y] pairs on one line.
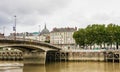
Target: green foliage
[[98, 34], [47, 41]]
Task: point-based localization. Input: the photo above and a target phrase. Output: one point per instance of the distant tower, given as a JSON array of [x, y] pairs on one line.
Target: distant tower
[[45, 30], [45, 26], [44, 34]]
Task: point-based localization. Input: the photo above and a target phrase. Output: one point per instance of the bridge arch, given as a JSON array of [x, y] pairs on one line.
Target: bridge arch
[[33, 51], [28, 44]]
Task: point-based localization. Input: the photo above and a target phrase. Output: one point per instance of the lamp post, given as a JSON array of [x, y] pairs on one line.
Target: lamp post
[[39, 33], [4, 30], [14, 28], [61, 39]]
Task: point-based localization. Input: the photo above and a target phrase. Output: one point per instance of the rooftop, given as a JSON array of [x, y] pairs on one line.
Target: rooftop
[[68, 29]]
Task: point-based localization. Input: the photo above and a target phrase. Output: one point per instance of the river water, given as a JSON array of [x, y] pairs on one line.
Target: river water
[[7, 66]]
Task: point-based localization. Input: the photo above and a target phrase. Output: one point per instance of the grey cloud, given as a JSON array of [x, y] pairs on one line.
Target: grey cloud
[[27, 10], [104, 18], [31, 6], [101, 17], [4, 19]]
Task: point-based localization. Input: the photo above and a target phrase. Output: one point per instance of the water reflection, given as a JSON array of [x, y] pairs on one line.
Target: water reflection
[[74, 67], [34, 68], [10, 66], [65, 67], [112, 67], [12, 70]]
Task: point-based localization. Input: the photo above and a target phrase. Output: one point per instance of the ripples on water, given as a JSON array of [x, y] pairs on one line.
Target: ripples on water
[[63, 67]]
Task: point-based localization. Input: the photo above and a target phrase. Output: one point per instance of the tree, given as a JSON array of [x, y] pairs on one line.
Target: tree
[[79, 37], [98, 34]]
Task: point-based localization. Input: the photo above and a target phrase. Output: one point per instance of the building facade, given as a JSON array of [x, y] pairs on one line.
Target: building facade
[[25, 36], [2, 36], [63, 37]]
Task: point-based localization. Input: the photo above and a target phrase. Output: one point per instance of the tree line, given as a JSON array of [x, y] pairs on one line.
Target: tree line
[[99, 34]]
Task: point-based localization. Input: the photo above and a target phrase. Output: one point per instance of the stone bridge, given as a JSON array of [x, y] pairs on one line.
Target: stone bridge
[[33, 51]]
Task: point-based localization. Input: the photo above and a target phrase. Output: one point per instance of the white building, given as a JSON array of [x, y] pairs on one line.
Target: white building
[[25, 36], [63, 37]]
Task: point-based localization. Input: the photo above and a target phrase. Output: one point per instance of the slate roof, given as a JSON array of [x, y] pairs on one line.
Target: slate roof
[[64, 29]]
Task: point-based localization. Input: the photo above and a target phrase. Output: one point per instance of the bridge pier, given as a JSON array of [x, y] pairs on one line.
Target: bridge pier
[[112, 56], [56, 56], [52, 56], [34, 57]]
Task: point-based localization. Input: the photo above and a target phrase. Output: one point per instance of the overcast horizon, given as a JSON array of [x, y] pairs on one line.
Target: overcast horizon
[[56, 13]]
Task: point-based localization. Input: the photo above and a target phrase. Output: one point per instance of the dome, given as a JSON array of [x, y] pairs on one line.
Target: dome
[[44, 31]]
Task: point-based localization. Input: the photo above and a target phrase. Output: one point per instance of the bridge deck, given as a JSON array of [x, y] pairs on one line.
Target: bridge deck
[[29, 43]]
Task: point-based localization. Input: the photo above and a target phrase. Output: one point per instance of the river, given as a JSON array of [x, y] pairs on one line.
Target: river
[[7, 66]]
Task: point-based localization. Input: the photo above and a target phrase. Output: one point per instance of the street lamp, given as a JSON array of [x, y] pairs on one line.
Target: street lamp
[[39, 33], [14, 29], [4, 30]]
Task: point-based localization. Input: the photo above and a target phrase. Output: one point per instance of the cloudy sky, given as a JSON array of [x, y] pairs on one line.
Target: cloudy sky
[[56, 13]]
